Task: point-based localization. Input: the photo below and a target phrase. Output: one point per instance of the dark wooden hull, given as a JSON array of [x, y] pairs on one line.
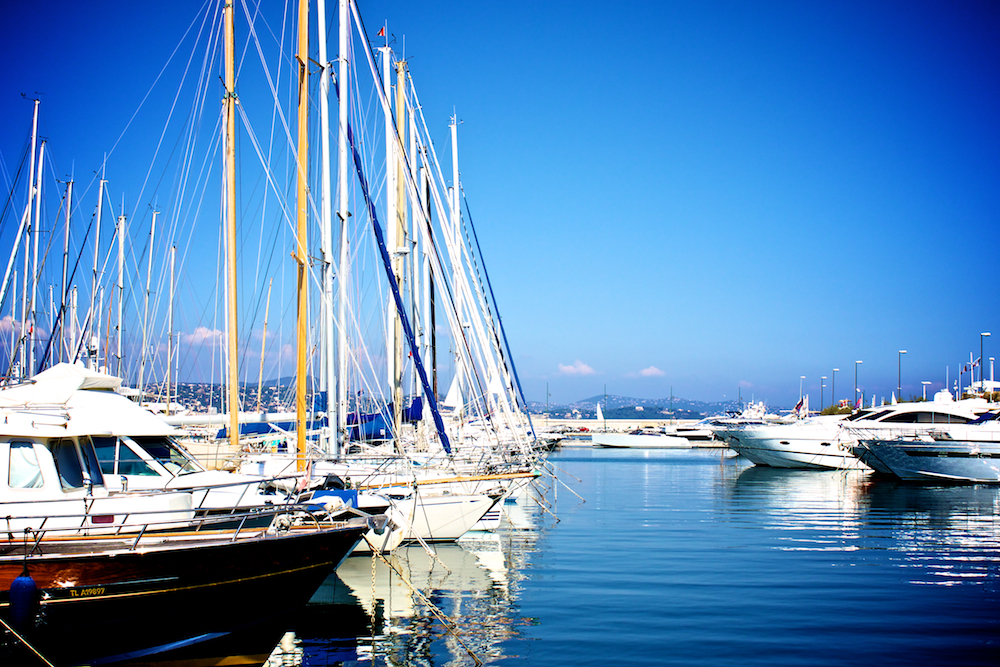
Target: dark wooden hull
[[99, 603]]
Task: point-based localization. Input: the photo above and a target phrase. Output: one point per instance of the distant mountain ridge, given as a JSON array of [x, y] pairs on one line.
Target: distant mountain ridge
[[620, 406]]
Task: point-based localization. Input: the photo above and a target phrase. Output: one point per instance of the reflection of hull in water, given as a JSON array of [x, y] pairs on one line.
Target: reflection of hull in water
[[802, 492], [465, 572]]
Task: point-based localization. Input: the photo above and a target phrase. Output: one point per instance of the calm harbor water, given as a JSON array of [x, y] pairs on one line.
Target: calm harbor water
[[682, 558]]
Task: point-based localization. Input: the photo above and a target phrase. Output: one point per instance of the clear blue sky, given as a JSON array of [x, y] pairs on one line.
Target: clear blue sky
[[717, 197]]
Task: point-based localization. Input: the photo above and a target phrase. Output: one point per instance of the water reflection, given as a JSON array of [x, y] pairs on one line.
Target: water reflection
[[382, 614], [941, 535]]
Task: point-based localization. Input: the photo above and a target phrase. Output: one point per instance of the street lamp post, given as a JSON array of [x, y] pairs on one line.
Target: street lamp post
[[925, 383], [899, 375], [981, 360], [801, 378], [822, 386], [856, 378], [833, 387]]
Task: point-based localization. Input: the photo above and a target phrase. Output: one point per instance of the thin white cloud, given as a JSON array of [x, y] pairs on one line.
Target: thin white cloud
[[202, 335], [578, 368], [651, 372]]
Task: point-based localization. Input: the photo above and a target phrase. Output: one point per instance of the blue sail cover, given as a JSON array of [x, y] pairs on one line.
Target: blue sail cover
[[265, 428], [376, 426]]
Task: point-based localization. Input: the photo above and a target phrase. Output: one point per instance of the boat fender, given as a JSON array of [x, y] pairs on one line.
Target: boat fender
[[378, 523], [23, 600]]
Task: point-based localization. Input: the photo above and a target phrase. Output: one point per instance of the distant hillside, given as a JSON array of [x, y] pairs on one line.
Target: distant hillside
[[626, 407]]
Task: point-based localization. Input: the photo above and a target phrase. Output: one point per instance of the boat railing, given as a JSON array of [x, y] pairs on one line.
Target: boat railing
[[232, 526]]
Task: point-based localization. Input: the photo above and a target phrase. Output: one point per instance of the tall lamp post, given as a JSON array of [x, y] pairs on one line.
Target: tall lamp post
[[822, 386], [856, 379], [925, 383], [833, 387], [899, 375], [801, 378], [981, 360]]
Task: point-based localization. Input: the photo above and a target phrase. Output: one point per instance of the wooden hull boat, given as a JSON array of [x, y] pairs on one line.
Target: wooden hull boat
[[109, 598]]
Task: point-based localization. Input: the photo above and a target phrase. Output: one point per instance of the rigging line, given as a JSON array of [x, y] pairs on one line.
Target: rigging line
[[69, 283], [496, 307], [157, 79], [387, 264], [284, 208], [427, 161], [170, 114], [10, 195], [458, 330], [270, 148]]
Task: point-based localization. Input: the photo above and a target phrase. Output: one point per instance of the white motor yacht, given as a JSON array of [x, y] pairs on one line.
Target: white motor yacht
[[829, 441], [961, 453]]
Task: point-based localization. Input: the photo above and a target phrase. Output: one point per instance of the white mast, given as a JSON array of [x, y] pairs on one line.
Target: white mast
[[27, 241], [34, 265], [392, 317], [170, 325], [121, 291], [95, 317], [456, 232], [343, 213], [70, 315], [327, 365], [65, 268], [13, 311], [145, 309]]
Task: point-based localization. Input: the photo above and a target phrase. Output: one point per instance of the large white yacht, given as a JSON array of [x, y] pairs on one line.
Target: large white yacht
[[963, 453], [829, 441]]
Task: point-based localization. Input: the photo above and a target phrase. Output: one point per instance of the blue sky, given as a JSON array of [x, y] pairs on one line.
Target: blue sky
[[713, 197]]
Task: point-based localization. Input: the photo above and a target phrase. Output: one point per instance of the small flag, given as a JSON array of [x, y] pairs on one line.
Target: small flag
[[381, 31]]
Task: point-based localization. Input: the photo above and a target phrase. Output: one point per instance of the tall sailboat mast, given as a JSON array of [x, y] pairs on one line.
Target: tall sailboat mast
[[34, 267], [230, 109], [300, 245], [145, 309], [65, 269], [95, 309], [326, 233], [170, 326], [121, 292], [343, 213], [400, 248], [27, 240]]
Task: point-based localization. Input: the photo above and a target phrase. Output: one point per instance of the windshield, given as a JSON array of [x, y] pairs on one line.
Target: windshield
[[168, 454]]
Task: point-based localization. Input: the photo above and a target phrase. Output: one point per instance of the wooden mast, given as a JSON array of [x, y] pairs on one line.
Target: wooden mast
[[300, 246], [401, 245], [230, 102]]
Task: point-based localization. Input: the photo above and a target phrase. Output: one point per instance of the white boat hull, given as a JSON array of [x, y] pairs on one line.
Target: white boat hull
[[937, 461]]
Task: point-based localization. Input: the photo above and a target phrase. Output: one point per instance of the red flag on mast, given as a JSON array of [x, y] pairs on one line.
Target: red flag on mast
[[381, 32]]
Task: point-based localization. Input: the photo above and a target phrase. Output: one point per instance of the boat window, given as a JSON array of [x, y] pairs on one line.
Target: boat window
[[90, 463], [24, 471], [168, 454], [105, 447], [941, 418], [925, 417], [130, 463], [67, 464], [862, 414], [874, 416]]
